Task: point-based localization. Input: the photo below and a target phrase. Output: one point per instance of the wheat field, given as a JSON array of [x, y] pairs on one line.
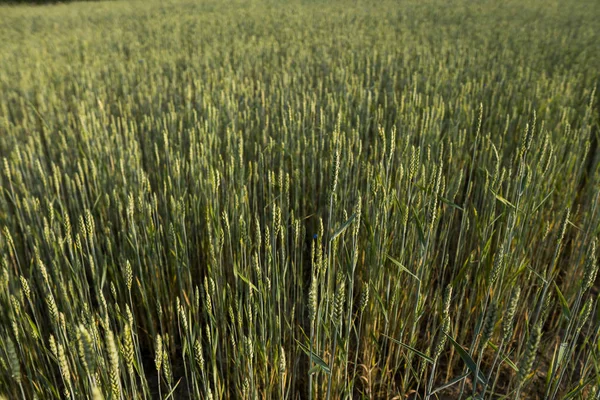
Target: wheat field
[[262, 199]]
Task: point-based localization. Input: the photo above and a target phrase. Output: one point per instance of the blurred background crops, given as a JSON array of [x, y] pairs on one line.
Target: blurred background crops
[[306, 199]]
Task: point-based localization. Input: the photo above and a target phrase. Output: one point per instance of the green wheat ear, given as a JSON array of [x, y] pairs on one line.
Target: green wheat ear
[[509, 316], [13, 360], [128, 347], [282, 360], [167, 367], [97, 393], [113, 358], [489, 323], [340, 297], [199, 357], [591, 267], [158, 351], [442, 338], [526, 363], [63, 364], [364, 297]]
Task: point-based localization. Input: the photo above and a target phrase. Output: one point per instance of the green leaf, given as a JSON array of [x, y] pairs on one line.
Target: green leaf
[[451, 204], [562, 350], [417, 352], [243, 278], [467, 359], [315, 358], [33, 326], [578, 389], [314, 369], [543, 201], [503, 200], [536, 274], [442, 198], [504, 357], [419, 226], [563, 302], [449, 383], [342, 228], [463, 270], [402, 267], [574, 226], [381, 305], [170, 395]]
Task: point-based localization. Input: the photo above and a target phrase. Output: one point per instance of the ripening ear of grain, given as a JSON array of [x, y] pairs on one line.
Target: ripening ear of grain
[[305, 199]]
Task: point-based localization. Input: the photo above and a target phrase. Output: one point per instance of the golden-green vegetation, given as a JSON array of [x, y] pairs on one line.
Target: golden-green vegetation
[[265, 199]]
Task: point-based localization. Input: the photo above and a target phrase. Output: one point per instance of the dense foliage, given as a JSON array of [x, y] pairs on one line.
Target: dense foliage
[[264, 199]]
